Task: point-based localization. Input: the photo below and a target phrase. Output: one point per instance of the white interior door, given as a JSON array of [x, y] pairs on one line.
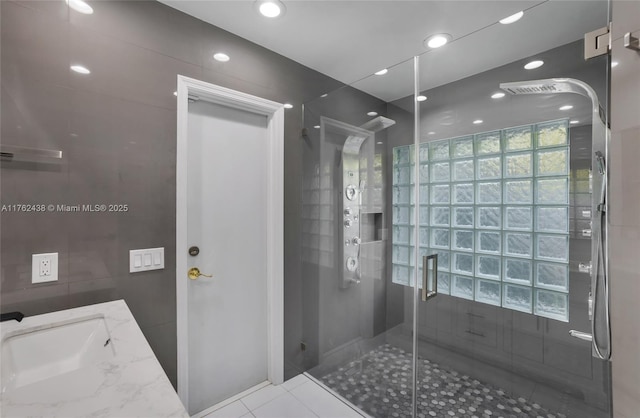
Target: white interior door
[[227, 221], [229, 204]]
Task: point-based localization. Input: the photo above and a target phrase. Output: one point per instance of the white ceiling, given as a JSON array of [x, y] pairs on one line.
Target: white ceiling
[[350, 40]]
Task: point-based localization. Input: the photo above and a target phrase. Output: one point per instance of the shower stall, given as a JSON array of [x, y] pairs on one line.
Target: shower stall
[[453, 231]]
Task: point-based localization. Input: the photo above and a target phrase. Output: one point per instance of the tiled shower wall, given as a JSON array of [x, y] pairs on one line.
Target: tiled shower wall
[[338, 316], [624, 207], [116, 128]]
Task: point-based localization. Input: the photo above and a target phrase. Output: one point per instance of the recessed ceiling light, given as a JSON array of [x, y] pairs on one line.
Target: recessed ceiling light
[[533, 64], [372, 113], [438, 40], [477, 121], [175, 93], [221, 56], [614, 64], [80, 69], [421, 98], [431, 133], [498, 95], [80, 6], [288, 106], [381, 72], [379, 142], [574, 122], [513, 18], [325, 95], [566, 107], [270, 8], [317, 126]]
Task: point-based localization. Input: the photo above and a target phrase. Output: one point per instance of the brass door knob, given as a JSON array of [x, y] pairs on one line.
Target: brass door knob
[[194, 273]]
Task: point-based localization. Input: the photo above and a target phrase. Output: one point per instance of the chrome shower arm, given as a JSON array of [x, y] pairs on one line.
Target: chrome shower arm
[[554, 86]]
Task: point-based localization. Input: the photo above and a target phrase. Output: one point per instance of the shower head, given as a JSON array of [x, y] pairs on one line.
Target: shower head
[[378, 124], [549, 86], [353, 142], [553, 86]]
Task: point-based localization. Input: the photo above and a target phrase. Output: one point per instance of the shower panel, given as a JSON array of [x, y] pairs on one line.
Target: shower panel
[[599, 295], [352, 190], [351, 209]]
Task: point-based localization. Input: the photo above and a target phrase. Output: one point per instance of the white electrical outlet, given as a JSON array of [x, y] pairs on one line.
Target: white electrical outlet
[[44, 268]]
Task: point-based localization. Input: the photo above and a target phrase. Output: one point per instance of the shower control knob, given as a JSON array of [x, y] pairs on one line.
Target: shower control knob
[[351, 192], [351, 264], [347, 242], [585, 267], [356, 241], [347, 223], [347, 211]]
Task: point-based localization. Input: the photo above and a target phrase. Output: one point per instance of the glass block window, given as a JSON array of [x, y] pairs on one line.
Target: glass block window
[[580, 203], [495, 207]]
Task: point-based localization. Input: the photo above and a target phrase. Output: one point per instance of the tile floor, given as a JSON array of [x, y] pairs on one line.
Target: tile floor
[[380, 384], [299, 397]]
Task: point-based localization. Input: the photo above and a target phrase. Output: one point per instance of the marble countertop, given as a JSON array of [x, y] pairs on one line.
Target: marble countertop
[[131, 384]]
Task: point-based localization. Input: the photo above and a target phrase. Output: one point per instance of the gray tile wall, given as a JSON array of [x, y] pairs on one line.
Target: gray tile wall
[[624, 210], [116, 128], [335, 317]]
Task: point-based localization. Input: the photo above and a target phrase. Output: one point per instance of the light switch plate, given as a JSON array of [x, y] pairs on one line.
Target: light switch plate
[[146, 259], [44, 268]]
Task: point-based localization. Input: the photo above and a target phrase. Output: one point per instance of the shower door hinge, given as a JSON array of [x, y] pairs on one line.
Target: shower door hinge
[[631, 42], [597, 42]]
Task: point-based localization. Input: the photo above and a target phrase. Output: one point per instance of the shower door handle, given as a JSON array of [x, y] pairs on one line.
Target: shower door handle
[[581, 335], [426, 292]]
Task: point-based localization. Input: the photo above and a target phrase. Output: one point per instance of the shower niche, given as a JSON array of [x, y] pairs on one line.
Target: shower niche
[[371, 227]]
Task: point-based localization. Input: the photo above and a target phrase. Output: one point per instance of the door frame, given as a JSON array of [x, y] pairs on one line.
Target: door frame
[[189, 87]]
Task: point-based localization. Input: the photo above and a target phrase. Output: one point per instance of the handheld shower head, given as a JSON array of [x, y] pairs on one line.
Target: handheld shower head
[[601, 163]]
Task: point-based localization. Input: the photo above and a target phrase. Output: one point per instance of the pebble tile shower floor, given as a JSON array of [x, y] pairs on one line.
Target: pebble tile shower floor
[[380, 384]]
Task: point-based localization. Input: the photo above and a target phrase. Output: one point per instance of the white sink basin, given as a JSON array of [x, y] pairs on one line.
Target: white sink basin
[[32, 355]]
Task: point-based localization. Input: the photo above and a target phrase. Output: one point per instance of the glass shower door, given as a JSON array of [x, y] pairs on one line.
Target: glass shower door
[[357, 322], [499, 190], [506, 183]]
